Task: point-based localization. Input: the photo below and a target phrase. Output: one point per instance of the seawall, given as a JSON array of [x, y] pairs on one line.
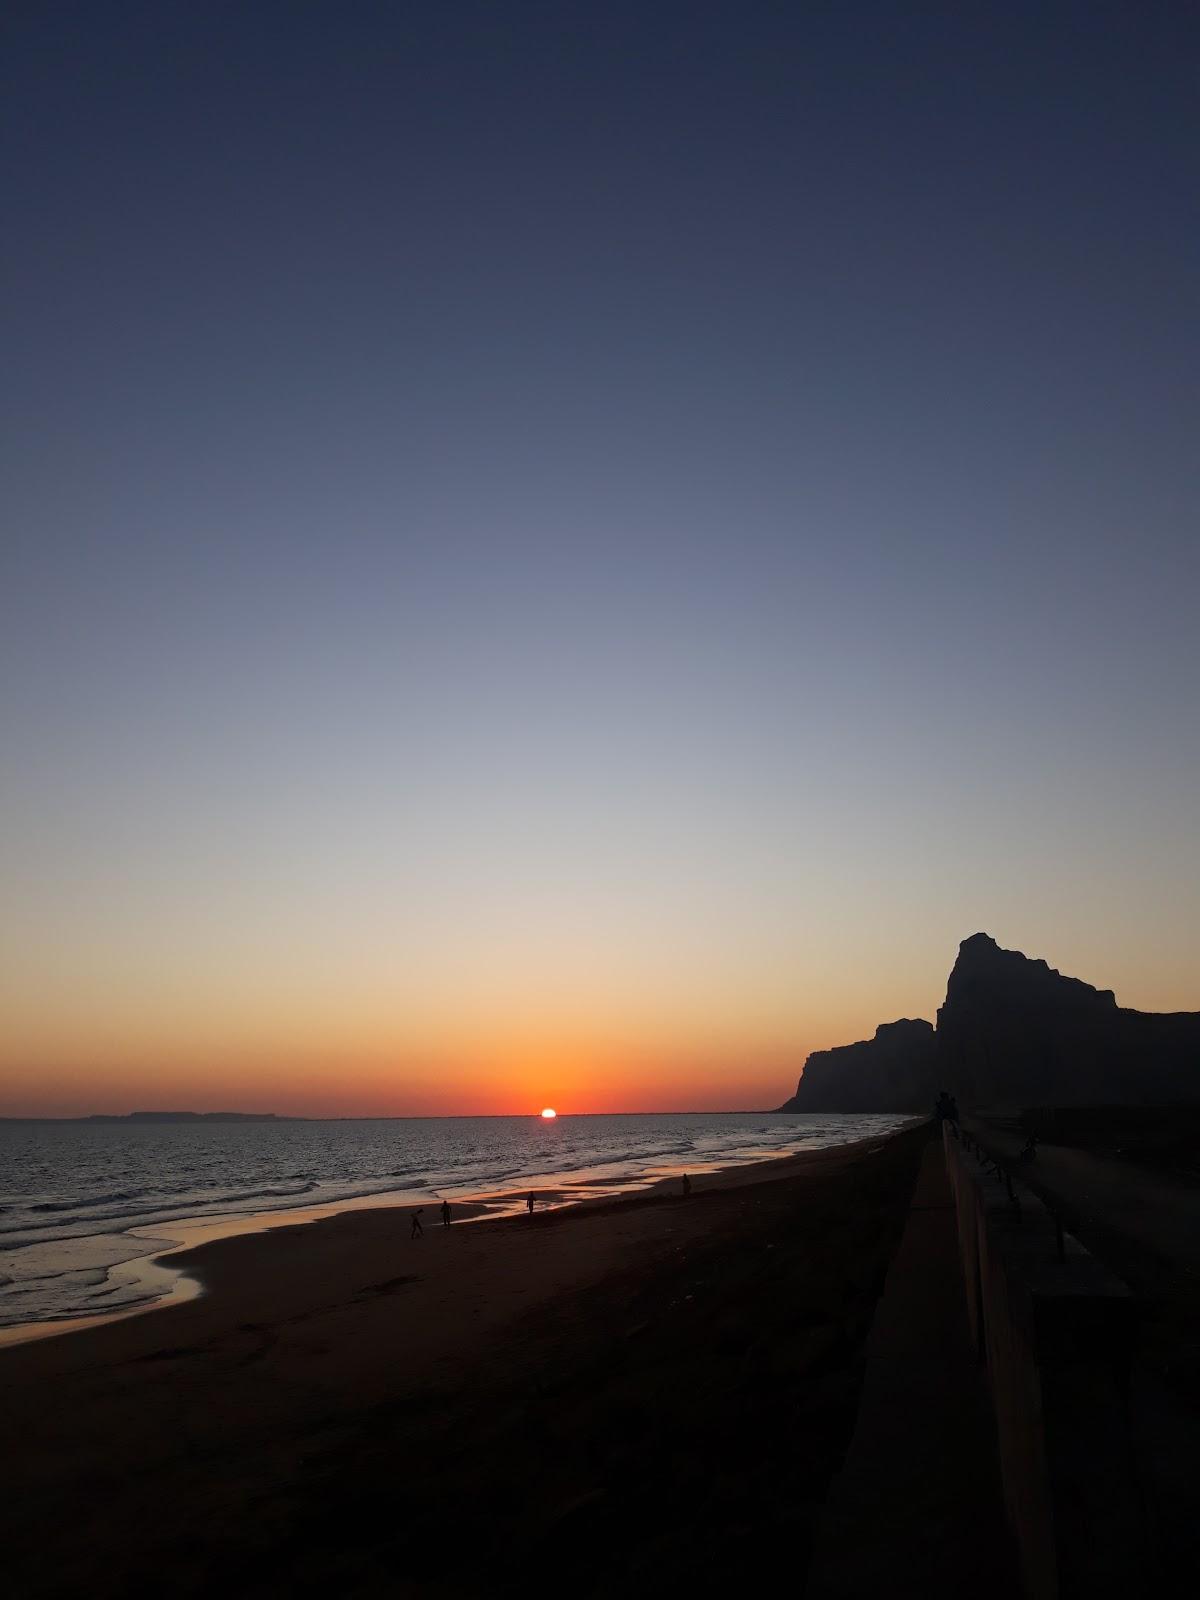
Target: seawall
[[1053, 1329]]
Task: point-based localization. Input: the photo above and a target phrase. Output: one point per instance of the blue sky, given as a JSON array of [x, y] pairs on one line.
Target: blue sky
[[668, 517]]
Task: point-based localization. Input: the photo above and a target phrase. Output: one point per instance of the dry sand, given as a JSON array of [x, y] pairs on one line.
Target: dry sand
[[609, 1398]]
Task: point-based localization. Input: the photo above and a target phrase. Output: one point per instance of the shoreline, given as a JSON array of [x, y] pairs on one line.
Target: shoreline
[[346, 1410], [178, 1285]]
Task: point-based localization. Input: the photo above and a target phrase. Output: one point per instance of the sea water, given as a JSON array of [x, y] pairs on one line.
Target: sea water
[[84, 1206]]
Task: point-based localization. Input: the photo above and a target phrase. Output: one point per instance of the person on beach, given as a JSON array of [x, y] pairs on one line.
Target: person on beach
[[529, 1205], [445, 1213], [687, 1186], [417, 1231]]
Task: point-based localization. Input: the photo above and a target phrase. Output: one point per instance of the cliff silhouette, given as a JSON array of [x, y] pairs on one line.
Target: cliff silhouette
[[894, 1071], [1012, 1032]]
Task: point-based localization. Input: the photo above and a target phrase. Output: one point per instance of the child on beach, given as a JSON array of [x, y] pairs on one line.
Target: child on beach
[[417, 1231]]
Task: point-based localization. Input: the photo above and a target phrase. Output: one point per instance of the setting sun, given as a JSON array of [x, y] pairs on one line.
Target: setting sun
[[549, 1112]]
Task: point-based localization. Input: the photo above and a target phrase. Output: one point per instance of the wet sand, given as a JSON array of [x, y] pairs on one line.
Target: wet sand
[[650, 1390]]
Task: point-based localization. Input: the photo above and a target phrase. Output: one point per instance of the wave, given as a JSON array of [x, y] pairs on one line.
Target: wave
[[84, 1296], [97, 1200], [61, 1209], [87, 1276], [499, 1173]]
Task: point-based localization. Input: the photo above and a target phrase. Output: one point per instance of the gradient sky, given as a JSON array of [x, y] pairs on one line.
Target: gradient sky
[[570, 552]]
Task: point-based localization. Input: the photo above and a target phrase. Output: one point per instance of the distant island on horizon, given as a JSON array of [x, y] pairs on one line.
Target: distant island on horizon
[[155, 1117], [168, 1116]]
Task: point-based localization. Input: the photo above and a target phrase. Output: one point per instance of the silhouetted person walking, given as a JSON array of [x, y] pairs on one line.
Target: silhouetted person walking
[[417, 1231], [445, 1213], [687, 1186], [529, 1205]]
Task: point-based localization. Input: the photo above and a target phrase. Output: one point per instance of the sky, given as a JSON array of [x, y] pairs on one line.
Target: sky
[[569, 553]]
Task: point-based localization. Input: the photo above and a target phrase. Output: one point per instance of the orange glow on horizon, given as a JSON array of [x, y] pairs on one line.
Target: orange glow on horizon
[[321, 1081], [342, 1050]]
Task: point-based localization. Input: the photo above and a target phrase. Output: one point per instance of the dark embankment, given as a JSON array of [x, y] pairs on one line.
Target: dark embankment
[[647, 1396]]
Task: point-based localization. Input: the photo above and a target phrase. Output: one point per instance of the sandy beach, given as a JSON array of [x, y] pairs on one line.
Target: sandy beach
[[644, 1389]]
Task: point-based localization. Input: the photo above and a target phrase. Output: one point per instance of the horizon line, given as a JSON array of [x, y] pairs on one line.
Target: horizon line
[[419, 1116]]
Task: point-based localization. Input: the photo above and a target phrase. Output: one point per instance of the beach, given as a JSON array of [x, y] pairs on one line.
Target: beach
[[606, 1397], [93, 1213]]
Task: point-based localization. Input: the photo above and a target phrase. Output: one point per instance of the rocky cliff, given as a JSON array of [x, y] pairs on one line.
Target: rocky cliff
[[894, 1071], [1012, 1033]]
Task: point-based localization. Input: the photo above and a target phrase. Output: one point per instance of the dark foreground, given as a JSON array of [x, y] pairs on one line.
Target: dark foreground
[[647, 1395]]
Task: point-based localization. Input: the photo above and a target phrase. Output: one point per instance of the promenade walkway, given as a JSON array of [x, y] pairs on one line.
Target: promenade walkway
[[917, 1506], [1144, 1224], [1124, 1211]]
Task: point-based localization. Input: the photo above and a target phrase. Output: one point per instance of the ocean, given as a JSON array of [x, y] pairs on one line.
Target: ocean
[[86, 1207]]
